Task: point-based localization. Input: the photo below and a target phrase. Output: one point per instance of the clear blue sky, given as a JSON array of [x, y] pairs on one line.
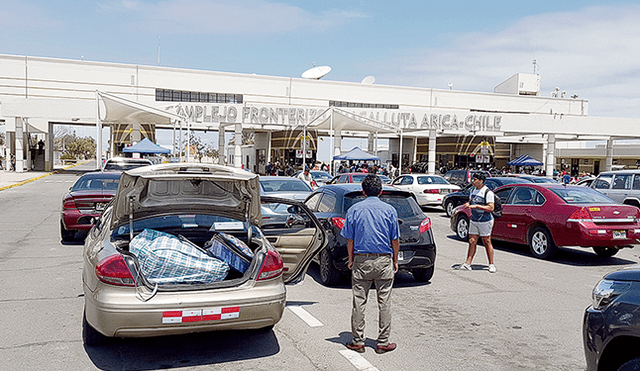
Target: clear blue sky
[[589, 48]]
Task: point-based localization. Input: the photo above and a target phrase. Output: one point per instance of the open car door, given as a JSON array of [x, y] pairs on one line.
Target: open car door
[[294, 232]]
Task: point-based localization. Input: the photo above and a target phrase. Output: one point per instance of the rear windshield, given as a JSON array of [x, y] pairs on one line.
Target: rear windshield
[[357, 178], [405, 206], [124, 166], [96, 182], [321, 176], [431, 180], [285, 185], [581, 195]]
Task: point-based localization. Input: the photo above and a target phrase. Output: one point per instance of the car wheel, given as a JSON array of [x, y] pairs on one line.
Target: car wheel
[[67, 235], [632, 365], [448, 207], [462, 227], [423, 274], [605, 252], [91, 337], [329, 275], [541, 244]]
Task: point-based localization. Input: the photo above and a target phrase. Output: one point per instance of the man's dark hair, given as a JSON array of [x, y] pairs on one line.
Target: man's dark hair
[[372, 185], [479, 176]]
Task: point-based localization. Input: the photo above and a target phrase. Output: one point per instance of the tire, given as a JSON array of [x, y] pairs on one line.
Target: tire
[[448, 208], [423, 274], [541, 244], [633, 365], [65, 234], [605, 252], [462, 227], [329, 275], [91, 337]]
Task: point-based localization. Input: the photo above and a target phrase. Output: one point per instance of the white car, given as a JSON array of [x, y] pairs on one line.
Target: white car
[[428, 189]]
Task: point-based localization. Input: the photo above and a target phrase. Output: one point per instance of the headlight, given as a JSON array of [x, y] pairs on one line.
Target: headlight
[[606, 291]]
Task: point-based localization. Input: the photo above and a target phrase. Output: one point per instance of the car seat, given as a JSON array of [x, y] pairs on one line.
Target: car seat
[[523, 197]]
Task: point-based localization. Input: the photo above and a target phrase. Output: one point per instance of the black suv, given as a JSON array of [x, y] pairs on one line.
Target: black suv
[[462, 178], [417, 245], [611, 325]]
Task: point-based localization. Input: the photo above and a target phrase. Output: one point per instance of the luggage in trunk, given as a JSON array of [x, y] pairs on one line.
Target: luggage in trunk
[[230, 250], [167, 259]]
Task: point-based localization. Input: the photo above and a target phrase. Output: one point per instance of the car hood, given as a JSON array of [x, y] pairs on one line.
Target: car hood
[[626, 274], [189, 189]]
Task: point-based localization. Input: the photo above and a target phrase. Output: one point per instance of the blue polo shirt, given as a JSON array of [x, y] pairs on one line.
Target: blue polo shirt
[[372, 225]]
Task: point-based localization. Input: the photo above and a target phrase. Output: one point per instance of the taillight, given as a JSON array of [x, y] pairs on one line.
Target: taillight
[[69, 203], [582, 214], [271, 266], [338, 222], [114, 270], [434, 190], [425, 225]]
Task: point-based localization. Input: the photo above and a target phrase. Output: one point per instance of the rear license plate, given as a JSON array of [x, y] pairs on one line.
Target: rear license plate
[[619, 235], [100, 206]]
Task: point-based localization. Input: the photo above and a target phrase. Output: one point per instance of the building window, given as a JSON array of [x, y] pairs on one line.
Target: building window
[[169, 95]]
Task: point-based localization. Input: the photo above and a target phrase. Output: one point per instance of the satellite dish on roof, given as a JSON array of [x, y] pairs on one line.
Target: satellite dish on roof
[[368, 80], [316, 73]]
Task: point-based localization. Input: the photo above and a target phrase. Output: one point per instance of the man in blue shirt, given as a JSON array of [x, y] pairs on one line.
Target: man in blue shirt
[[372, 232]]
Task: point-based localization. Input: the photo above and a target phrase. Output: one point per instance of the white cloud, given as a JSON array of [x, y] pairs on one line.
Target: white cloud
[[226, 17], [592, 52]]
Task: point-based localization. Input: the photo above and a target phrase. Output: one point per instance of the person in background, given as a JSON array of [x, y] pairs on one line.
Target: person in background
[[372, 232], [306, 177]]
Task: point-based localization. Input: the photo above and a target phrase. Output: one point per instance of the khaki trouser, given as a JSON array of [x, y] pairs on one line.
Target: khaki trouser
[[367, 270]]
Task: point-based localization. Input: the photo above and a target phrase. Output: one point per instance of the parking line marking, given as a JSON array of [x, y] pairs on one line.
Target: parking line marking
[[305, 316], [357, 360]]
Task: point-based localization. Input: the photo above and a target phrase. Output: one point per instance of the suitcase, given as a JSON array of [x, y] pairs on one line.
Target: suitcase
[[230, 250]]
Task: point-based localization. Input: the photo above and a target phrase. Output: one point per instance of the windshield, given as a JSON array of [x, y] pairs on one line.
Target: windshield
[[285, 185], [431, 180], [357, 178], [124, 166], [405, 206], [96, 182], [180, 224], [321, 175], [581, 195]]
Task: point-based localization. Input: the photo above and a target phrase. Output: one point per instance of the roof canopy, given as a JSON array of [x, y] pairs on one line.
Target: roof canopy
[[525, 160], [357, 154], [146, 146]]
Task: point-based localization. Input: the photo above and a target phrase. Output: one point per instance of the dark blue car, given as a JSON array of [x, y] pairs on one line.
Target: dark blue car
[[417, 246], [455, 199]]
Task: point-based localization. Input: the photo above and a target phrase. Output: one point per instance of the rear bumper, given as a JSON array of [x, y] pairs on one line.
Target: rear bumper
[[603, 236], [77, 220], [115, 311]]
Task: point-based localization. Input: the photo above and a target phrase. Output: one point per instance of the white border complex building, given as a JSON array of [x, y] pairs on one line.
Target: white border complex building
[[439, 127]]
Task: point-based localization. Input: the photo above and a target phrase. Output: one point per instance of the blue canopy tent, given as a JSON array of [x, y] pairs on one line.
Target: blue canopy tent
[[146, 146], [357, 154], [525, 160]]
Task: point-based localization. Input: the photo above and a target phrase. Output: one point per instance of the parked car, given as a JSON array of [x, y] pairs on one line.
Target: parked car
[[417, 245], [462, 178], [276, 215], [585, 182], [124, 163], [85, 201], [534, 178], [320, 177], [345, 178], [622, 186], [195, 203], [452, 200], [611, 326], [427, 189], [546, 216]]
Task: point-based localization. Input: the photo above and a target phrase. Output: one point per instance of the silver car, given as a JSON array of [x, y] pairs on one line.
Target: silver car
[[194, 203]]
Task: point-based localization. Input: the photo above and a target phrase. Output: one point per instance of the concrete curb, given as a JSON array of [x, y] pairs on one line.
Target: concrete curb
[[39, 177]]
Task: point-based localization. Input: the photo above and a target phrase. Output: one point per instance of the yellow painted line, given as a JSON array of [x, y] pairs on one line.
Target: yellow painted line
[[39, 177]]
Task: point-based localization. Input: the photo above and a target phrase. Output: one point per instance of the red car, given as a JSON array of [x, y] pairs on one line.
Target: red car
[[85, 201], [545, 216]]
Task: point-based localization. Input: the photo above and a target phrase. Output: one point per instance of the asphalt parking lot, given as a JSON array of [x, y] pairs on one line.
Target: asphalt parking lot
[[527, 316]]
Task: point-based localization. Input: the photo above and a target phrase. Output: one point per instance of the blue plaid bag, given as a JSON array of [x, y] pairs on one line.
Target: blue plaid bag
[[167, 259], [230, 250]]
